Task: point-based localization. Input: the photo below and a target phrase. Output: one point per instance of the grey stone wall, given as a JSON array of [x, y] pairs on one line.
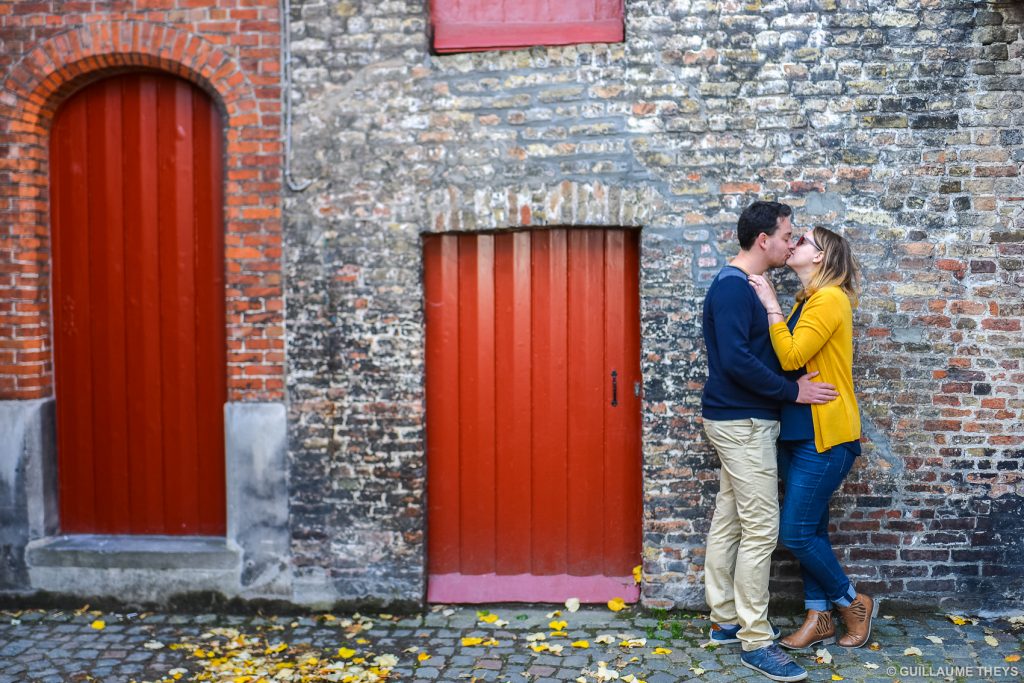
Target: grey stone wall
[[896, 122]]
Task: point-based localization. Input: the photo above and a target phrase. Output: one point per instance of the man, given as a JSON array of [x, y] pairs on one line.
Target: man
[[740, 407]]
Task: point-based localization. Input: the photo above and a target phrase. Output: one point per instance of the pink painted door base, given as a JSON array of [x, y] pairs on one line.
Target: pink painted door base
[[483, 588]]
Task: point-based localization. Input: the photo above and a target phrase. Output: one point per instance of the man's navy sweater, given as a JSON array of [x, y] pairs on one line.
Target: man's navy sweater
[[744, 376]]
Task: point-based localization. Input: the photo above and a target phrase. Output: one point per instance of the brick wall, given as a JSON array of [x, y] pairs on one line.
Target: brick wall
[[895, 122], [229, 48]]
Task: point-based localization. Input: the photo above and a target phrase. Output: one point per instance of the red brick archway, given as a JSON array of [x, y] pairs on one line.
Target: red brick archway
[[250, 100]]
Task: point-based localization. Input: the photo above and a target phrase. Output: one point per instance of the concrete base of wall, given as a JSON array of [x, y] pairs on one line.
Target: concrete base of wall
[[253, 560], [28, 484], [145, 569]]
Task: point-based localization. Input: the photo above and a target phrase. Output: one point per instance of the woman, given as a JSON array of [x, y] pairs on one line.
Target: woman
[[819, 443]]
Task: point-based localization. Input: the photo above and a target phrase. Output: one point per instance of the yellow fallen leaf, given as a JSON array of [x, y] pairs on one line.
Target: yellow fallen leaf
[[552, 615], [991, 641], [422, 657], [912, 651], [99, 624], [960, 621], [637, 573], [616, 604], [837, 677], [1012, 658], [662, 651], [633, 642], [539, 647], [572, 604], [489, 618], [362, 641], [559, 634], [581, 644], [274, 649], [346, 653], [470, 642], [874, 647], [558, 625]]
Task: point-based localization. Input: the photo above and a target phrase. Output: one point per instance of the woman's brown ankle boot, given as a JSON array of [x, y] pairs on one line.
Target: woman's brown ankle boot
[[818, 629], [857, 619]]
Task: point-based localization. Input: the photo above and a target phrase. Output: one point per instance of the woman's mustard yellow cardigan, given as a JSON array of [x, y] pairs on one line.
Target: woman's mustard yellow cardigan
[[823, 341]]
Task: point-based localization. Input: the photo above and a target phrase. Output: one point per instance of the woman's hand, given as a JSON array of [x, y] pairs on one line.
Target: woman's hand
[[765, 292]]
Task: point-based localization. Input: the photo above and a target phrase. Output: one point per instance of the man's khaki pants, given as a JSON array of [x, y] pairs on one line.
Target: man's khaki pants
[[745, 527]]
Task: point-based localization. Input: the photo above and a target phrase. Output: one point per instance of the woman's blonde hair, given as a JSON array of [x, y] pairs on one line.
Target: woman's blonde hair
[[838, 268]]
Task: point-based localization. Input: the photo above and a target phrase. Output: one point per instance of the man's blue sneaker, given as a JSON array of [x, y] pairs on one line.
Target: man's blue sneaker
[[773, 663], [727, 635]]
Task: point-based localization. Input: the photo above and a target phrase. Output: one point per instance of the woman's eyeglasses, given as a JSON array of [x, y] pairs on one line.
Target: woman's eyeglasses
[[805, 238]]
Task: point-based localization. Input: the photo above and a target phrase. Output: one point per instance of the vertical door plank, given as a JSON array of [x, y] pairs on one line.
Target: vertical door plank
[[512, 442], [628, 552], [170, 402], [550, 409], [441, 270], [74, 340], [616, 460], [182, 472], [476, 403], [107, 248], [587, 379], [211, 348], [142, 311]]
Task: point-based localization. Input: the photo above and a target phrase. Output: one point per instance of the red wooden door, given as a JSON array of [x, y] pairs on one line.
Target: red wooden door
[[533, 418], [138, 291]]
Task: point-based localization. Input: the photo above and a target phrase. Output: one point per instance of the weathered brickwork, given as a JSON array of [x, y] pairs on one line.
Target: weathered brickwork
[[230, 48], [897, 122]]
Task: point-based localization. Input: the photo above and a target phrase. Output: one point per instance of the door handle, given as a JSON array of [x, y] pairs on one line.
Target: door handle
[[615, 388]]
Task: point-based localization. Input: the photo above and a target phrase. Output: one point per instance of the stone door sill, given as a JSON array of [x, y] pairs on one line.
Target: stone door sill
[[152, 552]]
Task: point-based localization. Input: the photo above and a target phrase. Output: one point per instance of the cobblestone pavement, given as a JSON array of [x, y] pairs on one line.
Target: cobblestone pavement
[[467, 644]]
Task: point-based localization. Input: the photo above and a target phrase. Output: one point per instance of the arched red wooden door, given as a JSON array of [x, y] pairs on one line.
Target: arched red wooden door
[[138, 291], [533, 415]]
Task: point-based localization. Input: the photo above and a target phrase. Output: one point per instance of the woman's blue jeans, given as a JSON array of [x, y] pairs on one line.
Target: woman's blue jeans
[[809, 480]]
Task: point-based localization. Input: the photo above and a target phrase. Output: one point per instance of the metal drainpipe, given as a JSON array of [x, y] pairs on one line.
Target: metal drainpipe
[[286, 63]]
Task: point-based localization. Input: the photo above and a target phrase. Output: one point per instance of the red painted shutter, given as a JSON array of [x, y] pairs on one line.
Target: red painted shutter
[[533, 452], [138, 285], [467, 25]]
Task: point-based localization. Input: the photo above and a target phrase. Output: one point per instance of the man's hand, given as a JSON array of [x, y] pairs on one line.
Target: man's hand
[[814, 392]]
